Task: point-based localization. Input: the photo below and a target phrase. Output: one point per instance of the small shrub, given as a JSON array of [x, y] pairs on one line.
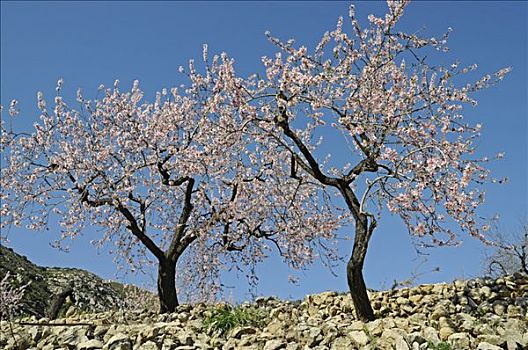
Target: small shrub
[[225, 318]]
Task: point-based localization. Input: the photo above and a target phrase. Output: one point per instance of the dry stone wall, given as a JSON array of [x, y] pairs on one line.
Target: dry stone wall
[[484, 314]]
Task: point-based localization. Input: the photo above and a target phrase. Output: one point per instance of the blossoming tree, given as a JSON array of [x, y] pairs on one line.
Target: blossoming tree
[[409, 149], [178, 175]]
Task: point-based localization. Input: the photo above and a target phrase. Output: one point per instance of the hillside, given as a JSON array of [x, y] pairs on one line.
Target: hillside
[[90, 291], [485, 314]]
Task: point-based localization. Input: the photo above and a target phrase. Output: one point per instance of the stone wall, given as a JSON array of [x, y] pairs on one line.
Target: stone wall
[[483, 314]]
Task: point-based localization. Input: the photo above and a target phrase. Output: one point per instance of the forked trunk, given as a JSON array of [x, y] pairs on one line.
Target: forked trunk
[[168, 298]]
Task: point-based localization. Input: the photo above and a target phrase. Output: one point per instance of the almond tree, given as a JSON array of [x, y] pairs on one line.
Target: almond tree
[[161, 178], [397, 119]]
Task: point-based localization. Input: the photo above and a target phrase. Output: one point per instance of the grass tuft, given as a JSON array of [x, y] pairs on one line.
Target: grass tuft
[[225, 318], [439, 346]]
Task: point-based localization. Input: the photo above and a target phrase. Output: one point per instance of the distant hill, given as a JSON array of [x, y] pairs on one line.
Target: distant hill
[[91, 292]]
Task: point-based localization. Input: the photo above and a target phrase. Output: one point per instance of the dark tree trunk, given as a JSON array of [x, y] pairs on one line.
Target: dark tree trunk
[[57, 302], [168, 298], [356, 283], [358, 292]]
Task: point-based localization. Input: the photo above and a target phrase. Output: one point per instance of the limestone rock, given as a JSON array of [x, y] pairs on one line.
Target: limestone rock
[[487, 346], [119, 341], [275, 344], [359, 338], [445, 333], [459, 340], [401, 344], [343, 343], [90, 345], [149, 345], [431, 335], [240, 331]]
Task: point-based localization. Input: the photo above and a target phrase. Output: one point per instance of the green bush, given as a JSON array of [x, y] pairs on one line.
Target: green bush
[[225, 318]]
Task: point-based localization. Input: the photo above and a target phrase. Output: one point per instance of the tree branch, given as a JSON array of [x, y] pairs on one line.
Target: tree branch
[[282, 121], [132, 226], [351, 200], [139, 233], [366, 164], [178, 245]]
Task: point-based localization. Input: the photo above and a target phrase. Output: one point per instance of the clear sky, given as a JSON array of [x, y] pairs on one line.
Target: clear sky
[[89, 43]]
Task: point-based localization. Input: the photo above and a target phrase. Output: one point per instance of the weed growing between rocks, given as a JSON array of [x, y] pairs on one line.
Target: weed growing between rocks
[[439, 346], [225, 318]]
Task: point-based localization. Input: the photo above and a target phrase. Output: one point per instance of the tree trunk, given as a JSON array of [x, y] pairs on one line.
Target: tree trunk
[[57, 302], [358, 292], [167, 286], [356, 283]]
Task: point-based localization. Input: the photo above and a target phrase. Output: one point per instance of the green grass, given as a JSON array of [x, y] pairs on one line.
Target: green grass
[[440, 346], [225, 318]]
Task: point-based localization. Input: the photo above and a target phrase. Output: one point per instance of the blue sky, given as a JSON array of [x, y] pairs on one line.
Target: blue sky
[[89, 43]]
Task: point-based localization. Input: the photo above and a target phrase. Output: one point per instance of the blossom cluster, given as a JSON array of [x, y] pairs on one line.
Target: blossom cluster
[[185, 168], [234, 166], [412, 151]]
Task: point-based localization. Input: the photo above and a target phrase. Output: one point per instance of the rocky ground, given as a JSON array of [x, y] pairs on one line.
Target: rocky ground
[[485, 314], [91, 293]]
